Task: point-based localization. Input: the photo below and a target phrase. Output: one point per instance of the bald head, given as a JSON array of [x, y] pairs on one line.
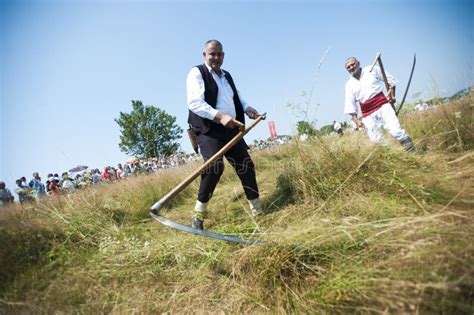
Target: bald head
[[214, 55], [352, 65], [213, 42], [354, 59]]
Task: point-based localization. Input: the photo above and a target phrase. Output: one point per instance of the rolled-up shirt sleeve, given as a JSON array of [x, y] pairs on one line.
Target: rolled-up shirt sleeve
[[392, 81], [195, 95]]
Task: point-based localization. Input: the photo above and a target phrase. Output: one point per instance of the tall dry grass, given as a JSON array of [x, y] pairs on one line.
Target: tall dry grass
[[448, 127], [350, 228]]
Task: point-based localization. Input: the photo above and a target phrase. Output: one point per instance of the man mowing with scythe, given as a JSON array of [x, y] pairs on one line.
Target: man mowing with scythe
[[364, 89], [215, 111]]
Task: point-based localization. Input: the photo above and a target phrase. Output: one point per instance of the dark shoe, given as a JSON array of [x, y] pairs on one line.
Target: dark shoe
[[197, 223], [408, 144]]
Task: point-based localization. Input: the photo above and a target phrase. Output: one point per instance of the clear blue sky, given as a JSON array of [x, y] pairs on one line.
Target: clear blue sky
[[69, 67]]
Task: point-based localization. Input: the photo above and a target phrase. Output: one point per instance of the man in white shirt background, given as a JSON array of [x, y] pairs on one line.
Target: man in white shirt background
[[364, 93], [337, 128]]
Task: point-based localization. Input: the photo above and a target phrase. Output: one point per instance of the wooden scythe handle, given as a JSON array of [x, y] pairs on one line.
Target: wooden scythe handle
[[387, 86], [243, 131], [240, 125], [378, 59]]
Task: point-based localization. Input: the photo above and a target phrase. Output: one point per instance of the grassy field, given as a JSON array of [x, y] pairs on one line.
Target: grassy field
[[352, 227]]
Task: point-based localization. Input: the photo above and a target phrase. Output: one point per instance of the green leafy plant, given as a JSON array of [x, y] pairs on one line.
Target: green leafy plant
[[148, 132]]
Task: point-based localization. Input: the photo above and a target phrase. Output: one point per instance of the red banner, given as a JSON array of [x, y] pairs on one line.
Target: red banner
[[273, 132]]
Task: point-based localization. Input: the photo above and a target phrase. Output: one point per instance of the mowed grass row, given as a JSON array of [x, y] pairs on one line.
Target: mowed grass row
[[351, 228]]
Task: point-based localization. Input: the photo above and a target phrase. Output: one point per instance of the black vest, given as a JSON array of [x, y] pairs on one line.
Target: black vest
[[203, 125]]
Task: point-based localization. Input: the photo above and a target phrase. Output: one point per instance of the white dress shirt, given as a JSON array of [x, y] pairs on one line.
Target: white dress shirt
[[369, 85], [225, 96]]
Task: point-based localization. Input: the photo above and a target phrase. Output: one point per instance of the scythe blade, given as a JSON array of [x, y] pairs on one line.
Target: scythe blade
[[408, 84]]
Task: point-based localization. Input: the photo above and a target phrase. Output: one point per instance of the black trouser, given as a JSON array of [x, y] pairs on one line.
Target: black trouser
[[237, 156]]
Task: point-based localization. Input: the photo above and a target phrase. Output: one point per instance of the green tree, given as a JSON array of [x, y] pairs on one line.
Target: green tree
[[305, 127], [148, 132], [325, 130]]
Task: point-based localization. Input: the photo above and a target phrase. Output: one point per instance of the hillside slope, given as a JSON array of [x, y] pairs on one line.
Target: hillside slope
[[352, 228]]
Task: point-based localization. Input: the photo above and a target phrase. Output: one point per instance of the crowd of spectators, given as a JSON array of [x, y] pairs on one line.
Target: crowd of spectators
[[71, 181], [268, 143]]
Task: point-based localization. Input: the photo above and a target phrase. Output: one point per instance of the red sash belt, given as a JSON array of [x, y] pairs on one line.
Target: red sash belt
[[371, 105]]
